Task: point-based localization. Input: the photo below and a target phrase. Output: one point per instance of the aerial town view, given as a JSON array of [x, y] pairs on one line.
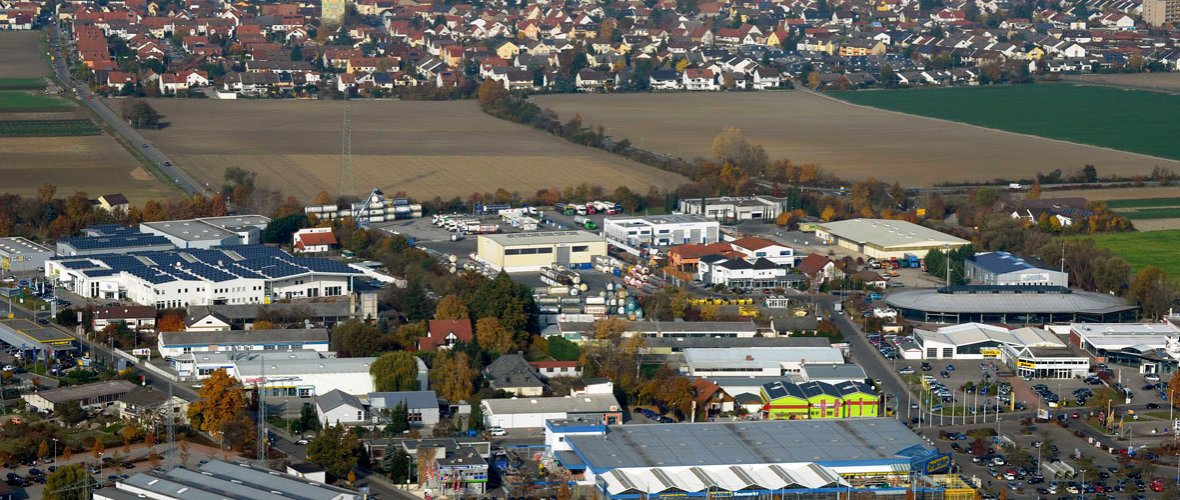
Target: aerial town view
[[589, 249]]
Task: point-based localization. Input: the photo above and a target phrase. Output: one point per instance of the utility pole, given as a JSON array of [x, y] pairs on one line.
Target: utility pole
[[261, 437], [170, 429]]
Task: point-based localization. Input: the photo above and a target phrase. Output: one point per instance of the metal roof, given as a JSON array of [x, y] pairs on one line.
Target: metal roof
[[217, 480], [18, 245], [244, 337], [413, 399], [1001, 262], [576, 404], [746, 443], [760, 356], [1010, 303], [889, 233], [95, 390], [542, 238]]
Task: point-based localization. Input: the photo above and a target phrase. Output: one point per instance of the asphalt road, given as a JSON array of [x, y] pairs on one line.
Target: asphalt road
[[177, 176]]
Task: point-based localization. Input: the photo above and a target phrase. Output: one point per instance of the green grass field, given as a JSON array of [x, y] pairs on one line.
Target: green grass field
[[1152, 213], [1143, 203], [47, 128], [1155, 248], [22, 83], [1128, 120], [17, 100]]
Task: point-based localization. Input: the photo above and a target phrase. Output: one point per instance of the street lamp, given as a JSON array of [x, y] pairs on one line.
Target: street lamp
[[55, 449]]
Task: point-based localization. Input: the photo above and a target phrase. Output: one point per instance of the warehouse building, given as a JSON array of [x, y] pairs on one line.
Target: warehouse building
[[884, 239], [636, 233], [1145, 347], [209, 232], [20, 255], [217, 479], [531, 413], [171, 344], [1030, 352], [244, 274], [734, 207], [579, 330], [763, 459], [1011, 304], [756, 361], [93, 395], [529, 252], [114, 241], [1003, 269], [284, 373]]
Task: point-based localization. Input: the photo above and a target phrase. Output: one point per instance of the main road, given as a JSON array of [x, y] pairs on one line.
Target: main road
[[157, 157]]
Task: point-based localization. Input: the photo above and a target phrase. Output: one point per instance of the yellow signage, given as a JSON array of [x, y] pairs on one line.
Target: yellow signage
[[921, 212], [989, 352], [1026, 364]]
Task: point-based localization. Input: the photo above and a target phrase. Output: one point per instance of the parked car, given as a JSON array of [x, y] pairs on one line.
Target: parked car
[[497, 431]]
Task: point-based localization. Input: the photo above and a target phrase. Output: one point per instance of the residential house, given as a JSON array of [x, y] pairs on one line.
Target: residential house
[[699, 79], [818, 269], [339, 408], [753, 247], [314, 240], [149, 406], [135, 317], [665, 79], [110, 202], [512, 373], [444, 333], [551, 369], [588, 80]]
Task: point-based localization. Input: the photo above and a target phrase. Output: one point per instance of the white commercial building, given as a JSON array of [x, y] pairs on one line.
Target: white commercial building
[[734, 207], [529, 252], [217, 479], [883, 239], [661, 230], [531, 413], [172, 344], [1003, 268], [1145, 347], [756, 361], [1031, 352], [209, 232], [744, 273], [283, 373], [249, 274], [19, 255]]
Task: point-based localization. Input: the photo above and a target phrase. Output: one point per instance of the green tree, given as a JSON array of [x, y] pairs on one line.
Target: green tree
[[395, 371], [308, 418], [70, 482], [510, 301], [415, 304], [563, 350], [281, 229], [336, 449], [140, 114], [297, 53], [397, 466], [399, 420]]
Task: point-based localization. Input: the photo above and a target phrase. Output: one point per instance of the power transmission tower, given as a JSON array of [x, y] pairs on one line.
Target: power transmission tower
[[261, 437], [347, 185]]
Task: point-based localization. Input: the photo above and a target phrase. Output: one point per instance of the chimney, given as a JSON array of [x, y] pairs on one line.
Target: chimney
[[749, 357]]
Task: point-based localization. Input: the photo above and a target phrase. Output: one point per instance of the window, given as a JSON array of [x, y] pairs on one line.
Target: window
[[948, 352], [581, 248], [931, 352]]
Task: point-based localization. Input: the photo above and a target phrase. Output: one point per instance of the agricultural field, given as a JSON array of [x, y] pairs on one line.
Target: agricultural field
[[854, 142], [426, 149], [24, 54], [1126, 120], [1150, 214], [28, 100], [22, 83], [93, 164], [1158, 82], [1142, 249], [47, 128]]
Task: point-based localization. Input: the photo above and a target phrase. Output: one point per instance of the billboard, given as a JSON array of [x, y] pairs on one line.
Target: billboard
[[1043, 413], [141, 352], [938, 463], [989, 352]]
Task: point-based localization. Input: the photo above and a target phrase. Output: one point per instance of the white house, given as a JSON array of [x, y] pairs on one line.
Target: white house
[[172, 344], [338, 408], [313, 240], [699, 79], [767, 78], [741, 273], [754, 247]]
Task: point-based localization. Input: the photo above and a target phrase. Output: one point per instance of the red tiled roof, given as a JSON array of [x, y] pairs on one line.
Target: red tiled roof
[[753, 243], [439, 329]]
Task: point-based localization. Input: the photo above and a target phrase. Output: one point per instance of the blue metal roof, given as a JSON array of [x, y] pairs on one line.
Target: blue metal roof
[[1001, 262]]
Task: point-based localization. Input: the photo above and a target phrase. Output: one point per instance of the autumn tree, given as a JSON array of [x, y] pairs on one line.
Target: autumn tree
[[395, 371], [1034, 192], [43, 449], [492, 93], [1174, 390], [219, 400], [451, 307], [1151, 290], [323, 198], [171, 321], [452, 375], [336, 449], [730, 146], [492, 336], [69, 482], [98, 449]]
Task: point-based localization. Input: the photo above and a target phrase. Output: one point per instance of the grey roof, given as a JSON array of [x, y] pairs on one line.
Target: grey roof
[[462, 457], [144, 397], [413, 399], [745, 443], [250, 311], [542, 238], [737, 342], [577, 404], [671, 327], [19, 246], [190, 230], [1012, 303], [247, 369], [1001, 262], [79, 392], [217, 480], [512, 370], [845, 371], [244, 337], [760, 356], [889, 233], [335, 399]]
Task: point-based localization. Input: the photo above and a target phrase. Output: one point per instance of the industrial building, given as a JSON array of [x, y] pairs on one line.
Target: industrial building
[[284, 373], [93, 395], [578, 330], [244, 274], [884, 239], [111, 239], [636, 233], [756, 361], [813, 400], [763, 459], [18, 254], [172, 344], [209, 232], [1145, 347], [217, 479], [531, 413], [1003, 269], [1031, 352], [1011, 304], [734, 207], [529, 252]]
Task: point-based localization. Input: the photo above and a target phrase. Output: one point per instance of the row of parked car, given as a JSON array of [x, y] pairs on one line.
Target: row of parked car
[[654, 416], [885, 344]]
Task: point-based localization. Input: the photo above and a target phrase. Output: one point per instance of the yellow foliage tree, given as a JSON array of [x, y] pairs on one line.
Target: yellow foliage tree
[[681, 65], [1034, 192], [493, 336], [219, 400], [451, 307], [828, 214], [452, 375], [263, 324]]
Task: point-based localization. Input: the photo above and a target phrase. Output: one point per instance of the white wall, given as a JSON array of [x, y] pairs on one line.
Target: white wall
[[344, 414], [298, 286]]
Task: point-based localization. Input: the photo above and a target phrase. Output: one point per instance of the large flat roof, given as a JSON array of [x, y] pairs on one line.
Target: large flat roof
[[889, 233], [18, 246], [22, 331], [249, 337], [217, 480], [543, 238], [190, 230], [1011, 303], [704, 357], [828, 442], [576, 404], [1119, 335], [79, 392], [974, 333]]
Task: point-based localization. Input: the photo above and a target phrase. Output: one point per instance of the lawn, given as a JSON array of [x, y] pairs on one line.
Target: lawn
[[1129, 120], [1152, 213], [1144, 249], [47, 128], [22, 83], [17, 100], [1143, 203]]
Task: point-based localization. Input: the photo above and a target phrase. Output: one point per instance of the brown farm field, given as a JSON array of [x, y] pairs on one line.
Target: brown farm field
[[854, 142], [22, 54], [426, 149], [93, 164]]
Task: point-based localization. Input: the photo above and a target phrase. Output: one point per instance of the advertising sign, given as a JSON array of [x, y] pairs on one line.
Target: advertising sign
[[1043, 414], [1026, 364], [934, 464], [989, 352], [141, 352]]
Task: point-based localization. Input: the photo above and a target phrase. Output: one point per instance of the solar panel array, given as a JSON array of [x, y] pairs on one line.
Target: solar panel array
[[211, 265], [115, 241]]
